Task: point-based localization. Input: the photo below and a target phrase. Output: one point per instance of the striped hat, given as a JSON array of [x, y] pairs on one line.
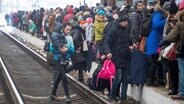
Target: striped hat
[[83, 23]]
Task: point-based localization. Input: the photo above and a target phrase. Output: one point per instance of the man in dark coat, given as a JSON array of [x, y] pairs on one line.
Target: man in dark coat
[[116, 46]]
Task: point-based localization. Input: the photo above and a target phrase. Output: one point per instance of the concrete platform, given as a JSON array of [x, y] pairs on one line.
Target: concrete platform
[[146, 95]]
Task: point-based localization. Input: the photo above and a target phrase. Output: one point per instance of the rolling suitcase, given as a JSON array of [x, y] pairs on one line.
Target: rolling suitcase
[[138, 68]]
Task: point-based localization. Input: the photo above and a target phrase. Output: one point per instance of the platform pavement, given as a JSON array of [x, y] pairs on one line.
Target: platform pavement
[[146, 95]]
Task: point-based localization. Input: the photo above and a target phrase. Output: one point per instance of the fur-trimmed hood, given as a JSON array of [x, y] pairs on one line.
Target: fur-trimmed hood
[[180, 16]]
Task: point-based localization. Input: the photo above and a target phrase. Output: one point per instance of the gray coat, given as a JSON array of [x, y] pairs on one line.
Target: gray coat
[[135, 25]]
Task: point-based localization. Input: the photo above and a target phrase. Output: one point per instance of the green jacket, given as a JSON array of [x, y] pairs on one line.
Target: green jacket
[[32, 28], [99, 25]]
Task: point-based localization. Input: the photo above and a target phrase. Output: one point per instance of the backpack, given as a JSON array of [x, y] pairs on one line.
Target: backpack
[[101, 85], [107, 72], [146, 26]]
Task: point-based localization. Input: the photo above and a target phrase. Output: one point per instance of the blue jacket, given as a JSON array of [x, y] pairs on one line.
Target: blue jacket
[[59, 40], [157, 26]]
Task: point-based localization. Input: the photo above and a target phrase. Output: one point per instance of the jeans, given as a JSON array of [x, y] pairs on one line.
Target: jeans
[[181, 76], [120, 77], [61, 75]]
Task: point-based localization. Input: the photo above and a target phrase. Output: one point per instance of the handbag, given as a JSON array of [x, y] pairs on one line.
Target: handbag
[[142, 44], [85, 45], [169, 52]]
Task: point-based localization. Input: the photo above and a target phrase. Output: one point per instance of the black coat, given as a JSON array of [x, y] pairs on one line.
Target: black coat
[[77, 36], [117, 43]]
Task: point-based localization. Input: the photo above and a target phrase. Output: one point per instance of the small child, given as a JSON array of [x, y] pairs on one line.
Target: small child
[[64, 56], [68, 41]]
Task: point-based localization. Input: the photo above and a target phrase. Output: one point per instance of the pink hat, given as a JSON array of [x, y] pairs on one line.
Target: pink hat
[[89, 20], [181, 5]]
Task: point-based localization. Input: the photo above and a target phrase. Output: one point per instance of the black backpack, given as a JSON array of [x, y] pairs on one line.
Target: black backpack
[[146, 26]]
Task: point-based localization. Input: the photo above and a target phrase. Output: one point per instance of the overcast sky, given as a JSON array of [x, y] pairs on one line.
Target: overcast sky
[[56, 3]]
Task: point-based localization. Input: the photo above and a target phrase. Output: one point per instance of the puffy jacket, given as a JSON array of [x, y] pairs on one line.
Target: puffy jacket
[[58, 41], [77, 36], [99, 25], [135, 26], [117, 43], [153, 40]]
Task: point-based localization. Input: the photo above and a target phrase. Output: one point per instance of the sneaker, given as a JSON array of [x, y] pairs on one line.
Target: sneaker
[[68, 99], [172, 92], [53, 97], [177, 97], [63, 63]]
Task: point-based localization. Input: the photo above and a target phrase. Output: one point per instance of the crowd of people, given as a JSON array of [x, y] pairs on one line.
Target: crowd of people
[[84, 35]]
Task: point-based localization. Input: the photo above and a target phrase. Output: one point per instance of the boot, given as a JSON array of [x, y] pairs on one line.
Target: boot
[[68, 99]]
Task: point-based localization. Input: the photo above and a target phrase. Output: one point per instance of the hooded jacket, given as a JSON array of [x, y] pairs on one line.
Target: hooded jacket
[[69, 16], [177, 33], [58, 41], [99, 26]]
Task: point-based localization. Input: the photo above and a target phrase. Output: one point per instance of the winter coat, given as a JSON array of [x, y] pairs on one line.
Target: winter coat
[[69, 16], [70, 44], [177, 33], [37, 19], [77, 34], [32, 28], [117, 43], [51, 21], [135, 25], [107, 28], [157, 25], [89, 33], [58, 41], [99, 25]]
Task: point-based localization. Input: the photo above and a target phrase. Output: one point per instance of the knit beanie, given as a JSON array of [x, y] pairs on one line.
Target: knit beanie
[[101, 12], [122, 18], [108, 8], [83, 24], [109, 14], [89, 20], [100, 7], [173, 8], [166, 6]]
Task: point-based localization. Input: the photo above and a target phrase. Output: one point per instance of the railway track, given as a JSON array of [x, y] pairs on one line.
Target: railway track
[[4, 99], [31, 76]]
